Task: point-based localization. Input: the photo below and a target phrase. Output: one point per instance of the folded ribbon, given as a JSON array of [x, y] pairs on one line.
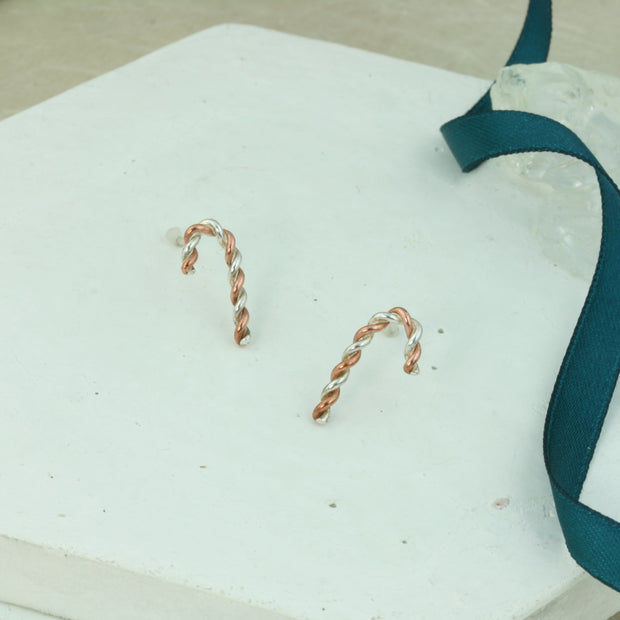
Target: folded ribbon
[[589, 371]]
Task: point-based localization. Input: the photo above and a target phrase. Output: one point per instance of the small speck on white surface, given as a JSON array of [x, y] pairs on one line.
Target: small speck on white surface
[[501, 503]]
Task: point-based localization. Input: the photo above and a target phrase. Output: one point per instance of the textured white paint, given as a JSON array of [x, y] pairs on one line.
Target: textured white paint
[[137, 437]]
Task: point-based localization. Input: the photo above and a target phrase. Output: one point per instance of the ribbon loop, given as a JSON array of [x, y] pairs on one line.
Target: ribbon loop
[[589, 371]]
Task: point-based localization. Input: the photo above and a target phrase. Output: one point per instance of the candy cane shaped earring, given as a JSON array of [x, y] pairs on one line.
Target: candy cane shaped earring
[[236, 277], [353, 353]]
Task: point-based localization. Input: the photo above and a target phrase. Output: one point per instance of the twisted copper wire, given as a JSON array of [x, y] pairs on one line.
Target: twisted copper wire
[[352, 355], [237, 276]]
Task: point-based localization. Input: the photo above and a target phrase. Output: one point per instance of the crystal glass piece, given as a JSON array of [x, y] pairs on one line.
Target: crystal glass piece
[[568, 224]]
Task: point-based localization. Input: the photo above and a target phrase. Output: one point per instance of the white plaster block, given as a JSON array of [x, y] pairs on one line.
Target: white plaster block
[[150, 464]]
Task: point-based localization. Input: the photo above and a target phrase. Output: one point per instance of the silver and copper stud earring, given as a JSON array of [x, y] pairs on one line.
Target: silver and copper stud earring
[[353, 353], [232, 257]]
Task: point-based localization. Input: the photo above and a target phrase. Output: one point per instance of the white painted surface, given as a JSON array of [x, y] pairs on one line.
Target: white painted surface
[[12, 612], [136, 436]]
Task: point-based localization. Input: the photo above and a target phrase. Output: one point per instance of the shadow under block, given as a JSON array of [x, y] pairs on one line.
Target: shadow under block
[[154, 469]]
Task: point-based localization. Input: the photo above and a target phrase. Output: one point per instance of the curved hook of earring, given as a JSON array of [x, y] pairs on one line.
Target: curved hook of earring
[[236, 277], [353, 353]]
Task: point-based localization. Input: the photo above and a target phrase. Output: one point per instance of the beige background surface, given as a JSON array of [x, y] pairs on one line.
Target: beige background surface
[[48, 46]]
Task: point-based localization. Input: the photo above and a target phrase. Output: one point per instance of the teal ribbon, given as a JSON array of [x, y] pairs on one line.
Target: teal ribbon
[[589, 371]]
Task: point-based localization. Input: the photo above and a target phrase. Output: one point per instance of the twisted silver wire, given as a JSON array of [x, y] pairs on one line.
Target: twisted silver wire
[[329, 391], [234, 267], [192, 244], [412, 341]]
